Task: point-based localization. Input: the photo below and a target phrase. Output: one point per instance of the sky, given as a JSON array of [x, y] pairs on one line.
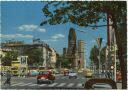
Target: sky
[[21, 21]]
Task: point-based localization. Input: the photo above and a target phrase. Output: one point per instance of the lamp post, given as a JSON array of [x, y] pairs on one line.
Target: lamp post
[[115, 63], [99, 41]]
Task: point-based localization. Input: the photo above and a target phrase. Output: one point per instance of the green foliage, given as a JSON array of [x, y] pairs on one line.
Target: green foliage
[[34, 56], [88, 13], [103, 55], [9, 57], [94, 53], [83, 13], [65, 63], [93, 56]]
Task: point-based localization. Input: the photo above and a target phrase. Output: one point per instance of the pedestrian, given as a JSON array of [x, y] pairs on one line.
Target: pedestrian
[[8, 78], [107, 74]]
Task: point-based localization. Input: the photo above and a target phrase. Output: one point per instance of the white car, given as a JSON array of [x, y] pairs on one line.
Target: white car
[[72, 75]]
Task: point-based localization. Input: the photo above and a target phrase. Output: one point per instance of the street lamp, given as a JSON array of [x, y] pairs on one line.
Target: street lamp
[[99, 41]]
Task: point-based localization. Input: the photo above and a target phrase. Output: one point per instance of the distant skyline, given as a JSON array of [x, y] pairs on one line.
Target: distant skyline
[[21, 21]]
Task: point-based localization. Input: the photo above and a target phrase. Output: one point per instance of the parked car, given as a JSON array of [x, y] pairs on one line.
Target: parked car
[[45, 76], [33, 73], [72, 74]]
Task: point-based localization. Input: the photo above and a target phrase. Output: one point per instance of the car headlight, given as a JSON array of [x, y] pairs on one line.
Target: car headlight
[[42, 78]]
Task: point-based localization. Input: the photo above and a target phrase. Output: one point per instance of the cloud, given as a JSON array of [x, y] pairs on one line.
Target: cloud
[[31, 27], [58, 36], [104, 40], [55, 38], [50, 40], [15, 36], [94, 41], [41, 30]]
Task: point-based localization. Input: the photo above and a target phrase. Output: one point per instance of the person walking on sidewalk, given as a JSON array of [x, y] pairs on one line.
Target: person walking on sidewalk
[[8, 78]]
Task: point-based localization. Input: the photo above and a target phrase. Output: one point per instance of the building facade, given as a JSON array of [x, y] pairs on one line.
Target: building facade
[[81, 53], [21, 48], [53, 58], [75, 51], [72, 48], [111, 50]]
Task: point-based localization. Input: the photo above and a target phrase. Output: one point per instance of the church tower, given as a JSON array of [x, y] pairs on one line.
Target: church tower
[[72, 47]]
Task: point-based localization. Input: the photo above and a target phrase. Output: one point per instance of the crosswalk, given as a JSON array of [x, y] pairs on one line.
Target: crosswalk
[[63, 78], [21, 84]]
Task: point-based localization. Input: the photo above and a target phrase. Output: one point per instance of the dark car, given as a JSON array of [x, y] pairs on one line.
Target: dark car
[[45, 76]]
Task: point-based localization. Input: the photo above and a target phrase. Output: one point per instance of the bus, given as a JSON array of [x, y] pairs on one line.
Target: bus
[[15, 68]]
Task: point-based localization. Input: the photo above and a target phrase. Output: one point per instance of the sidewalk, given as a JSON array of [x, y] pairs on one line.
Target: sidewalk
[[119, 85]]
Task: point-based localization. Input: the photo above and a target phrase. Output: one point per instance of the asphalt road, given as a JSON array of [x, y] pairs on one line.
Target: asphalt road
[[61, 82]]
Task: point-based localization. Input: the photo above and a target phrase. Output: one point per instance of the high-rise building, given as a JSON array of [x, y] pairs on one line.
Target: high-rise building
[[81, 53], [72, 47], [75, 51], [72, 42], [64, 52]]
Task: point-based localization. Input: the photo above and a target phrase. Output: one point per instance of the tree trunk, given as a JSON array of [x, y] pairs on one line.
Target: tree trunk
[[121, 41]]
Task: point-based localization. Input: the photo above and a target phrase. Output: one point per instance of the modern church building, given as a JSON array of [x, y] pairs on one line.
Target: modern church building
[[75, 51]]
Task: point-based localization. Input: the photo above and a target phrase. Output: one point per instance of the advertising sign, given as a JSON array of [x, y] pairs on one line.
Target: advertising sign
[[23, 60]]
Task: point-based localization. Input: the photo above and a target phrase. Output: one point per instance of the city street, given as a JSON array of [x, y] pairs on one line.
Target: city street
[[30, 83], [63, 45]]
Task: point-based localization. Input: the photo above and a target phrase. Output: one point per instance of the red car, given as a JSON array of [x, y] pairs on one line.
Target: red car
[[45, 76]]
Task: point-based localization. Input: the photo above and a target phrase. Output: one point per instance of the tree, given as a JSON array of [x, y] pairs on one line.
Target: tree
[[94, 53], [65, 63], [34, 56], [103, 55], [88, 13], [93, 56], [9, 57]]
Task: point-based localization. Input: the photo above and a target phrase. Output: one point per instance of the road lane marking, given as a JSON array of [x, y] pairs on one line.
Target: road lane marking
[[61, 84], [25, 84], [42, 85], [16, 84], [13, 82], [2, 83], [79, 85], [57, 77], [82, 78], [70, 85], [33, 85], [52, 84], [63, 77]]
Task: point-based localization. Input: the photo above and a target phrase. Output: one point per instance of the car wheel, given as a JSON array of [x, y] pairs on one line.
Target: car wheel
[[38, 82], [52, 81], [76, 77]]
